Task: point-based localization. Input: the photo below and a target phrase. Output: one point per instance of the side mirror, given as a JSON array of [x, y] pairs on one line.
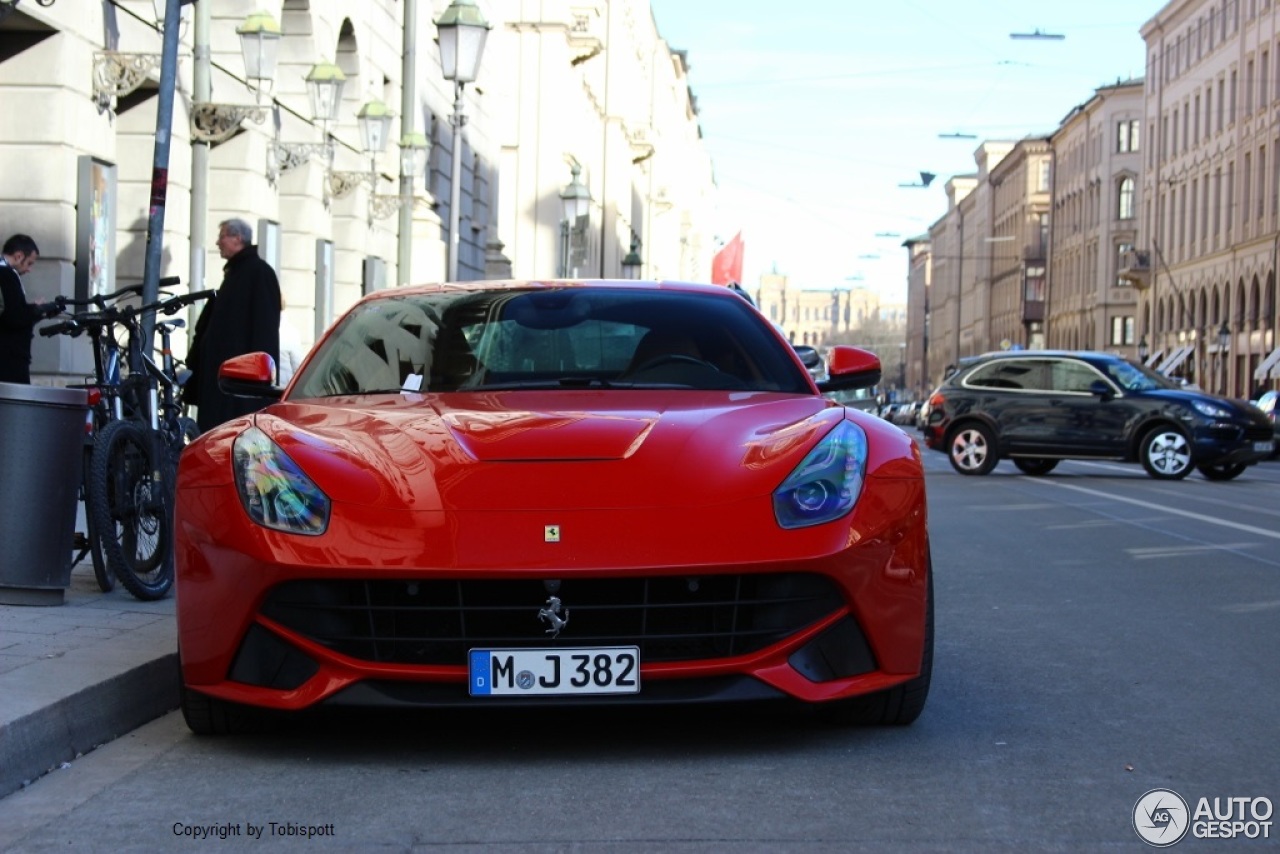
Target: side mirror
[[250, 375], [850, 367], [1101, 389], [808, 355]]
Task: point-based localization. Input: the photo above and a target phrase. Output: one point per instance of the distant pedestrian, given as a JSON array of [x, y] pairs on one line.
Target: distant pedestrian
[[243, 317], [17, 316]]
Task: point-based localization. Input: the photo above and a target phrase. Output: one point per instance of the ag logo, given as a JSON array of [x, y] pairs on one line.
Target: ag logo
[[1161, 818]]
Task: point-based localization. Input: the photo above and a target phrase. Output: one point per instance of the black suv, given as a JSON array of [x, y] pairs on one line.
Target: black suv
[[1038, 407]]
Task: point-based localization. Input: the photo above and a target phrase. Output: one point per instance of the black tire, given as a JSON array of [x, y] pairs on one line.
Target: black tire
[[899, 706], [1165, 453], [207, 715], [101, 570], [184, 431], [130, 507], [1035, 466], [188, 430], [1226, 471], [972, 449]]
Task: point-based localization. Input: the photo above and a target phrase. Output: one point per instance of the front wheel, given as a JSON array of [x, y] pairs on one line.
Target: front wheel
[[971, 450], [207, 715], [127, 497], [1166, 454], [898, 706], [1226, 471], [1035, 465]]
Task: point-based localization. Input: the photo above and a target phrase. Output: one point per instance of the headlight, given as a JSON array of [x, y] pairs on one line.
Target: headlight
[[1210, 410], [828, 481], [274, 491]]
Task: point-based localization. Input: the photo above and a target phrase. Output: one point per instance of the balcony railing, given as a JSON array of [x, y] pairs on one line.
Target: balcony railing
[[1135, 267]]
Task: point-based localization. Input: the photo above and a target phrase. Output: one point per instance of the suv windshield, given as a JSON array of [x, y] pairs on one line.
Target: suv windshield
[[1131, 377]]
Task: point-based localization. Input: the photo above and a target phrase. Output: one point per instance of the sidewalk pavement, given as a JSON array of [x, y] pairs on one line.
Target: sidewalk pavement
[[77, 675]]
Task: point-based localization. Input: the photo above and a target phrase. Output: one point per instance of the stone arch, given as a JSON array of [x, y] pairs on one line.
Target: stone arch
[[1269, 300], [347, 57], [1254, 314]]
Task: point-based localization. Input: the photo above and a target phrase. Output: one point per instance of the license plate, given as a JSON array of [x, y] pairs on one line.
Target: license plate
[[1263, 447], [572, 671]]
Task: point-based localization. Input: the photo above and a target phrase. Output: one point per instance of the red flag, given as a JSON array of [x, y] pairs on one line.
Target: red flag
[[726, 266]]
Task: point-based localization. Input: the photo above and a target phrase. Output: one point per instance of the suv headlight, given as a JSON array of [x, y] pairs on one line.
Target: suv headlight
[[274, 491], [828, 481], [1210, 410]]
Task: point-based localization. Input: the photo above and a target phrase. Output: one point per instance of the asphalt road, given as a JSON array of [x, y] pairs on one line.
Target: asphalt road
[[1100, 634]]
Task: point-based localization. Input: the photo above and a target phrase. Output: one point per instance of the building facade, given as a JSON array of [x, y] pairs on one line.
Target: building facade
[[1209, 225], [1097, 162], [817, 317], [1017, 249], [593, 87], [585, 84], [919, 307]]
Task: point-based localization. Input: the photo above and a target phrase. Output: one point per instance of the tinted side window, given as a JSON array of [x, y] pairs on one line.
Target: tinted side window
[[1025, 375], [1073, 376]]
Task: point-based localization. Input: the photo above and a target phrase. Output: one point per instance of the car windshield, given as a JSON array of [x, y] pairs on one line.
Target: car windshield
[[540, 338], [1134, 377]]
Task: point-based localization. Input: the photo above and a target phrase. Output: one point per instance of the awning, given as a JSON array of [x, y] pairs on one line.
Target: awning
[[1176, 358], [1271, 363], [1151, 360]]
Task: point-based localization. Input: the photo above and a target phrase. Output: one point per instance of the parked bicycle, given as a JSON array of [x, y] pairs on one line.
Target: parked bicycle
[[142, 430], [104, 403]]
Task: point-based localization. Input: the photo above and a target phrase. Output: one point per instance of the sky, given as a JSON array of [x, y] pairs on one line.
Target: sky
[[815, 114]]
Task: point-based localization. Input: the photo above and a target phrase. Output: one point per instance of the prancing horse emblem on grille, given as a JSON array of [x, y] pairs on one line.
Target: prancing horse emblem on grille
[[550, 614]]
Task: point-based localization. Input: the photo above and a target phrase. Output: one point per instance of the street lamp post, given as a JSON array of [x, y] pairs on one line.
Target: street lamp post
[[1224, 344], [1143, 350], [259, 46], [463, 30], [632, 263], [575, 202]]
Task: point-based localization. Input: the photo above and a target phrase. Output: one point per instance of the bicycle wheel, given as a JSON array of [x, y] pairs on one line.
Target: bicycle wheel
[[101, 571], [106, 579], [128, 500], [186, 430]]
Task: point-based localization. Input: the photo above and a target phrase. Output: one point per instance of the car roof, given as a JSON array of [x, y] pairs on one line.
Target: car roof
[[1055, 354], [544, 284]]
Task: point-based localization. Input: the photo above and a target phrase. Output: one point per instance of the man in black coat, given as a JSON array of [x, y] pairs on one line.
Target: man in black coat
[[17, 316], [244, 317]]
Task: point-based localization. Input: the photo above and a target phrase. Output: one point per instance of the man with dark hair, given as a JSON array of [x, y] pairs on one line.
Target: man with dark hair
[[244, 317], [17, 316]]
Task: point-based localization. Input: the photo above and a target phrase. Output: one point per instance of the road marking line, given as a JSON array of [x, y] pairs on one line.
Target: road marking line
[[1161, 552], [1261, 532]]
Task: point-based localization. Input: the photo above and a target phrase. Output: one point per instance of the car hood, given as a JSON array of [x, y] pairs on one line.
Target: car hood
[[1238, 407], [530, 450]]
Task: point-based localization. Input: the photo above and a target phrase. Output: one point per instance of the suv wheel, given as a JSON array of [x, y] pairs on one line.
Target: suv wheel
[[971, 450], [1225, 471], [1035, 465], [1165, 454]]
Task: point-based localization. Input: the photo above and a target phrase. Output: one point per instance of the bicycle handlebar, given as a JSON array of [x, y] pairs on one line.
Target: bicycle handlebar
[[101, 300], [78, 323]]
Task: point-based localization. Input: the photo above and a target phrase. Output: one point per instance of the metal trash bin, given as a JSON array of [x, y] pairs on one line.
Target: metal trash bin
[[41, 458]]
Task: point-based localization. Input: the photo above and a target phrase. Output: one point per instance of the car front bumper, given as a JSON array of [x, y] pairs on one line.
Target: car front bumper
[[862, 633]]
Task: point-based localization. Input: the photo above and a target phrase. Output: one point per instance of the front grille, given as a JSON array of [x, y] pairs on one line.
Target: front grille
[[669, 618]]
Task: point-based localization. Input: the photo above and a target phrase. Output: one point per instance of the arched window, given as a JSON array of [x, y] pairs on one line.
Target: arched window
[[1125, 200]]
